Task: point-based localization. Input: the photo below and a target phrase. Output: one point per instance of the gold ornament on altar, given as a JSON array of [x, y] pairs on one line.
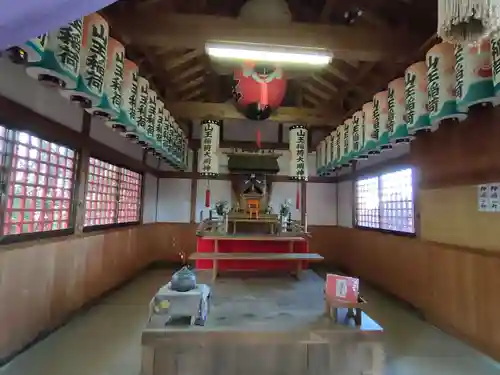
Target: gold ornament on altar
[[467, 21]]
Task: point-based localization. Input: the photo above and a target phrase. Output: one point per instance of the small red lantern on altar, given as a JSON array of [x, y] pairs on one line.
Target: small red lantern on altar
[[258, 89]]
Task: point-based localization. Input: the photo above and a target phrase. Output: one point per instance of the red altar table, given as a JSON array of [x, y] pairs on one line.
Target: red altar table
[[249, 244]]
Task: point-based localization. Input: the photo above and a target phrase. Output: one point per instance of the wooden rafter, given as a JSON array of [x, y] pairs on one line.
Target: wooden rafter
[[323, 82], [173, 63], [193, 94], [188, 73], [197, 110], [316, 91], [327, 10], [331, 68], [193, 83], [192, 31]]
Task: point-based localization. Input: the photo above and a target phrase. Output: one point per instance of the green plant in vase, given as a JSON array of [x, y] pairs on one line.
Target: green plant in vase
[[221, 208]]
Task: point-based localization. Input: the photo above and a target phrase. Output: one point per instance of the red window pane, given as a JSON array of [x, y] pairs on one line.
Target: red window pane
[[40, 188], [102, 193], [130, 196]]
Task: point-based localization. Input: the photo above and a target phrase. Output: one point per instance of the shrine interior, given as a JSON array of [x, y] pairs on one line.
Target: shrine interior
[[172, 204]]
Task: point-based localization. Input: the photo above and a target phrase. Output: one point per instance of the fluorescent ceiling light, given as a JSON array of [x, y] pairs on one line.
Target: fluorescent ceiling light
[[269, 53]]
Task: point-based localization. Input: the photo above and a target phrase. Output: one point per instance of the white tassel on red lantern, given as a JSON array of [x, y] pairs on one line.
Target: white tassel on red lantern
[[467, 21]]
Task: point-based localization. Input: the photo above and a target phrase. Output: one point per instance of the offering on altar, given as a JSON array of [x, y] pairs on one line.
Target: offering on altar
[[342, 288]]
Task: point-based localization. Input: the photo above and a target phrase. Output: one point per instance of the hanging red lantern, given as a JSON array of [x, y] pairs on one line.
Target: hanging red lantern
[[297, 198], [207, 197], [258, 90]]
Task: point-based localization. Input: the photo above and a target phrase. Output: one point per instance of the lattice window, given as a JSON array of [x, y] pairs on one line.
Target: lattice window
[[130, 196], [40, 186], [386, 201], [396, 201], [367, 203], [113, 194], [102, 193]]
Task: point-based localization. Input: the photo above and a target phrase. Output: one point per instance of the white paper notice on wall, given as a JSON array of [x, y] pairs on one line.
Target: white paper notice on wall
[[494, 197], [488, 196]]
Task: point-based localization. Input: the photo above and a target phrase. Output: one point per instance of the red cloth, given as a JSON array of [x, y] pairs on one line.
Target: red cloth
[[245, 246]]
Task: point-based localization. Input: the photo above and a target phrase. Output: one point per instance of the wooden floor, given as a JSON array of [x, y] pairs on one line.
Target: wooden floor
[[106, 339]]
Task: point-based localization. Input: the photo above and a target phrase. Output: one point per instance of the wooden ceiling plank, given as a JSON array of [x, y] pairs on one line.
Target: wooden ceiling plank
[[316, 91], [193, 94], [173, 63], [337, 72], [192, 31], [324, 83], [311, 100], [197, 110], [193, 83], [188, 73]]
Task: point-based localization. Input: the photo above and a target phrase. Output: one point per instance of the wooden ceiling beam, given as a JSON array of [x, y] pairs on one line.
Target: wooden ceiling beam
[[173, 63], [190, 84], [193, 94], [337, 72], [188, 73], [324, 83], [316, 91], [312, 100], [193, 31], [197, 110]]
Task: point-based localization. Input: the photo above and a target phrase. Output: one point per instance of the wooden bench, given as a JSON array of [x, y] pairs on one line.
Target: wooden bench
[[294, 257], [354, 309]]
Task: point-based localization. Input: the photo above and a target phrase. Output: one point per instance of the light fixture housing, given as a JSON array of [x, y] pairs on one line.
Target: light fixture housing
[[269, 53]]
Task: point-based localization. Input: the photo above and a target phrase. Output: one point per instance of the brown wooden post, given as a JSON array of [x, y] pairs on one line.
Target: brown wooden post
[[82, 172]]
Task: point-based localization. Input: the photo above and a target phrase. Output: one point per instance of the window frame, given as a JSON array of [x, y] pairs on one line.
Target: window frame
[[378, 173], [9, 157], [116, 224]]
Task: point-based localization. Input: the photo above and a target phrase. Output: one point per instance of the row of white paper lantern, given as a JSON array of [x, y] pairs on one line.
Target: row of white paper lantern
[[89, 67], [445, 86]]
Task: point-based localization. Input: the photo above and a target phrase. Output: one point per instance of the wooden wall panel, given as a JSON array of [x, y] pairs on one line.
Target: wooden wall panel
[[456, 288], [451, 216], [43, 282], [463, 153]]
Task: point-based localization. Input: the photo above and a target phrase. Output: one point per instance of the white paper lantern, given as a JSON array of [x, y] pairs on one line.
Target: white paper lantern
[[338, 147], [110, 104], [396, 117], [166, 142], [126, 122], [159, 124], [151, 119], [208, 160], [138, 134], [298, 152], [474, 83], [328, 156], [347, 143], [60, 63], [370, 144], [380, 119], [34, 48], [358, 126], [441, 85], [93, 58], [333, 139]]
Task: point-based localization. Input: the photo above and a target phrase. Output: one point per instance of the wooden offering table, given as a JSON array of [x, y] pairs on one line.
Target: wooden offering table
[[257, 253]]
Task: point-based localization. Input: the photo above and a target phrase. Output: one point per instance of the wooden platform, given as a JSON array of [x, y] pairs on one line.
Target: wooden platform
[[267, 326]]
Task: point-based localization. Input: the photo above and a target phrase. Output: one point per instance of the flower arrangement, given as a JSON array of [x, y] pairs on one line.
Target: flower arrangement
[[221, 208], [285, 207]]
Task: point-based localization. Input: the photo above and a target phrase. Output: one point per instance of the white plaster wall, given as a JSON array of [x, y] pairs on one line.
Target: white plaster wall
[[345, 203], [220, 190], [282, 191], [321, 201], [149, 196], [100, 132], [174, 200]]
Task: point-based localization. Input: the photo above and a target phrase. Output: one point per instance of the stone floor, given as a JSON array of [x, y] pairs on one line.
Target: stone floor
[[105, 340]]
